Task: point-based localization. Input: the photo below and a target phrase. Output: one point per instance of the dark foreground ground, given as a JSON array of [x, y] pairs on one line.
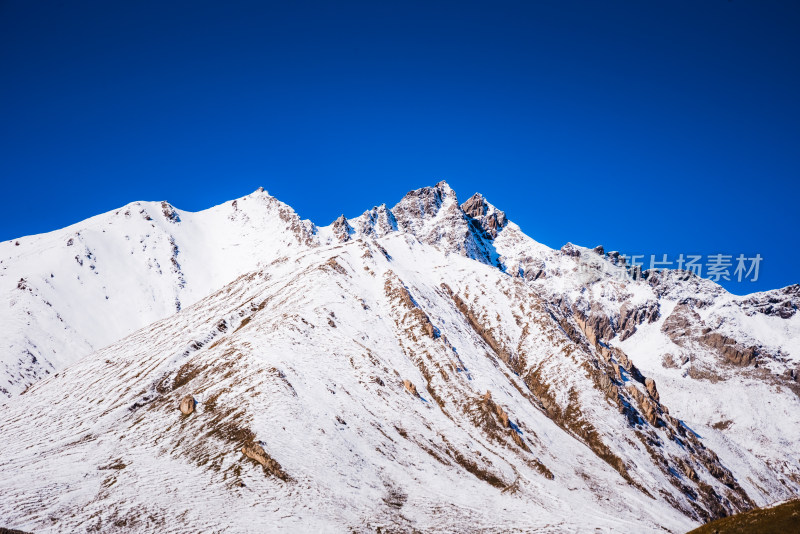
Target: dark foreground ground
[[782, 519]]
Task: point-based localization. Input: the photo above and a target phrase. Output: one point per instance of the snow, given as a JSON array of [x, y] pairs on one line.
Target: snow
[[94, 282], [279, 328]]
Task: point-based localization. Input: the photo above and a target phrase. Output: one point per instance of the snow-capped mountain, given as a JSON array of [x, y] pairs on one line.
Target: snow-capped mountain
[[426, 367], [72, 291]]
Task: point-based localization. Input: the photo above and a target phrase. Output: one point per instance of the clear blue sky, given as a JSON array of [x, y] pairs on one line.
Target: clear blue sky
[[645, 126]]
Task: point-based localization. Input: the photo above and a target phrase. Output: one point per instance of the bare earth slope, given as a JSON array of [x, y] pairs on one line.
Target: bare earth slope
[[781, 519]]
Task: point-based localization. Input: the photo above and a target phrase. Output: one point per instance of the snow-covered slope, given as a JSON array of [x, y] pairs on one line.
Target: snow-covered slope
[[428, 367], [72, 291]]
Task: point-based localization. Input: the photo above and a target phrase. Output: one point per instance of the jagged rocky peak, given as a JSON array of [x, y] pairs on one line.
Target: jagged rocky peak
[[342, 229], [490, 219], [434, 216], [376, 222], [425, 203]]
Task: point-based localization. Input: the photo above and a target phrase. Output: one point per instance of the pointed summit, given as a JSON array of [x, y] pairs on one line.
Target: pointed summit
[[426, 201], [376, 222], [433, 215], [490, 219], [342, 229]]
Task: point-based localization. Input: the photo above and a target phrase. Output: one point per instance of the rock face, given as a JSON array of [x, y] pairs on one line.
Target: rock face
[[632, 316], [377, 222], [433, 215], [685, 327], [489, 219], [256, 452], [342, 229], [782, 303], [187, 405], [650, 384], [410, 387]]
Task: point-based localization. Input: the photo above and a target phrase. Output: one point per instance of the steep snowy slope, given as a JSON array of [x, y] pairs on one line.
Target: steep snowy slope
[[423, 367], [307, 358], [72, 291]]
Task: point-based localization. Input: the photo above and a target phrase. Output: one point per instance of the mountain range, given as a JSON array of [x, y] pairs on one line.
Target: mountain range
[[426, 367]]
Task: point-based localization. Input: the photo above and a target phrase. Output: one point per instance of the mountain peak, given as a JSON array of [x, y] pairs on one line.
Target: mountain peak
[[376, 222], [490, 219], [342, 229]]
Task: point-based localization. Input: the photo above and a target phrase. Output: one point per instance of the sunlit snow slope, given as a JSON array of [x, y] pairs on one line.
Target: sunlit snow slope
[[426, 367], [72, 291]]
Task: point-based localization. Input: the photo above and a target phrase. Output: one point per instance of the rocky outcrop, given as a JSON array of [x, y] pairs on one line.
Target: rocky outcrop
[[489, 219], [782, 303], [376, 222], [256, 452], [599, 326], [650, 384], [491, 408], [571, 250], [685, 328], [342, 229], [187, 405], [414, 316], [169, 212], [648, 407], [410, 387], [631, 316], [433, 215]]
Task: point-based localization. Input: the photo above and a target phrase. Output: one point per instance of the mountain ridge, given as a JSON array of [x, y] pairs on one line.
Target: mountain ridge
[[414, 352]]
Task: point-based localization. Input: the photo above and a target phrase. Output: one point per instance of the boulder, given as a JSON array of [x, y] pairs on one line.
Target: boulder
[[187, 405]]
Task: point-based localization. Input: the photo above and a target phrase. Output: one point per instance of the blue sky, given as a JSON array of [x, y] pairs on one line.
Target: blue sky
[[648, 127]]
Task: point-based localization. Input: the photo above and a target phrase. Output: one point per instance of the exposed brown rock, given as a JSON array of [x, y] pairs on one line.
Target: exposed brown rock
[[571, 250], [782, 303], [607, 385], [632, 316], [684, 326], [255, 452], [483, 332], [187, 405], [650, 384], [169, 212], [429, 329], [596, 327], [688, 470], [490, 409], [478, 209], [627, 364], [410, 387], [617, 372], [647, 407], [395, 289], [668, 361], [475, 206], [342, 229]]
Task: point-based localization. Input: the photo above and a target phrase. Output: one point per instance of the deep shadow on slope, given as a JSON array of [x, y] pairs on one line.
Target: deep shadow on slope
[[782, 519]]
